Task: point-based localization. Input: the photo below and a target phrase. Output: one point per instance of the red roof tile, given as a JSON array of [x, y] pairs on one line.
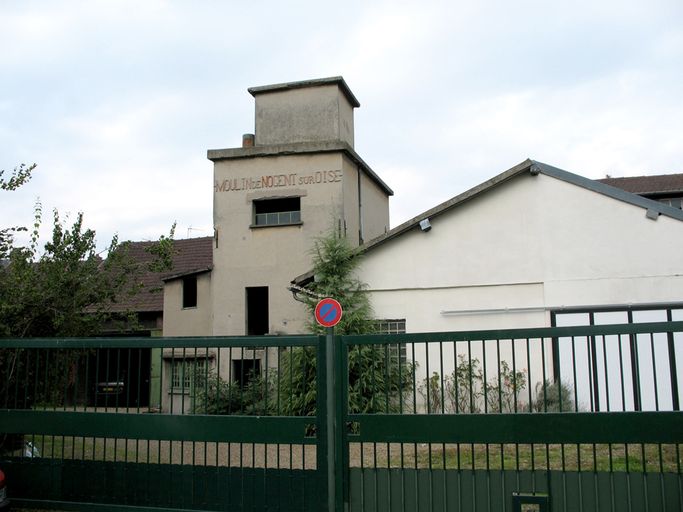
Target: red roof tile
[[659, 184], [189, 255]]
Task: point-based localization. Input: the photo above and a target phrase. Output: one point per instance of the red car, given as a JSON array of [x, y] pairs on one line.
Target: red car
[[4, 500]]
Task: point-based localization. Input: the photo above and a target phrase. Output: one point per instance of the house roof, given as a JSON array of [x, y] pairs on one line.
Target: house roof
[[191, 255], [661, 184], [528, 166]]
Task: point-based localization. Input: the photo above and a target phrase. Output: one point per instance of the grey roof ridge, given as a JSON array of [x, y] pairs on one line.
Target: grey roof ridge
[[327, 146], [608, 190], [314, 82]]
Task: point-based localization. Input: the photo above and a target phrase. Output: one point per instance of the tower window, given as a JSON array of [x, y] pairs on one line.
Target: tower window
[[277, 212], [190, 292]]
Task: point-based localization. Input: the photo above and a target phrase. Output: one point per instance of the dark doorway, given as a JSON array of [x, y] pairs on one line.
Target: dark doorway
[[257, 310]]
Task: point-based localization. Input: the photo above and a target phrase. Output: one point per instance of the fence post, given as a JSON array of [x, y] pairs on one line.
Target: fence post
[[331, 403]]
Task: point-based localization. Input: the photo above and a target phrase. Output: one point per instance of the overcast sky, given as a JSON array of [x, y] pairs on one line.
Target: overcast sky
[[118, 101]]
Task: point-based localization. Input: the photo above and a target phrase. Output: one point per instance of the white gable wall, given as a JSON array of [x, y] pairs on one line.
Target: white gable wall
[[506, 258], [532, 242]]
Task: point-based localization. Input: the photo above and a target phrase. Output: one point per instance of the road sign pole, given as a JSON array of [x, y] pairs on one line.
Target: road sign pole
[[331, 423], [328, 313]]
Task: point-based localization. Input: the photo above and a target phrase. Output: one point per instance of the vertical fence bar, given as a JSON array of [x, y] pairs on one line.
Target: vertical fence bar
[[673, 373]]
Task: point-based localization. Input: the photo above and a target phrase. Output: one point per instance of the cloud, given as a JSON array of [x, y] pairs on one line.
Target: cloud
[[118, 101]]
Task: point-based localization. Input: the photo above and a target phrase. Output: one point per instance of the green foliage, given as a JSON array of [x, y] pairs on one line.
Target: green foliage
[[217, 396], [430, 389], [376, 380], [466, 390], [502, 392], [464, 387], [65, 290], [18, 177], [378, 383], [162, 252], [553, 397], [49, 294], [296, 382], [334, 266]]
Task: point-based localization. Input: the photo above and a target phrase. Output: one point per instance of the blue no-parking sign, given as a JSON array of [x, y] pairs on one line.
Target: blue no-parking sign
[[328, 312]]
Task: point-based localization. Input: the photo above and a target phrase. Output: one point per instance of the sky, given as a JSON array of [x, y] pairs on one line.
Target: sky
[[117, 102]]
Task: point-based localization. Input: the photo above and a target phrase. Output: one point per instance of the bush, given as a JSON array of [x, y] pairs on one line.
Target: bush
[[217, 396], [553, 397]]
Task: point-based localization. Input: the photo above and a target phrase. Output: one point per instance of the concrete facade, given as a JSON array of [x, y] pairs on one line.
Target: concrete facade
[[309, 111], [303, 158], [296, 179]]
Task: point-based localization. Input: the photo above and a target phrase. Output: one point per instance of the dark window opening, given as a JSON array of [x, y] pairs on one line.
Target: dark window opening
[[277, 212], [190, 292], [257, 311], [245, 370]]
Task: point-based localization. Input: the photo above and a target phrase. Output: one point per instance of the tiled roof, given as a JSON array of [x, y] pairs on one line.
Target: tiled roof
[[189, 255], [660, 184]]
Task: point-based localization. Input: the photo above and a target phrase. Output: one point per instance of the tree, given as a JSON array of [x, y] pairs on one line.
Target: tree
[[19, 176], [66, 289], [376, 378], [334, 265]]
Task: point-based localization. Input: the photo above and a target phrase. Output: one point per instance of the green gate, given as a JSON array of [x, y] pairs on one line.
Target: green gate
[[562, 419], [508, 420], [224, 430]]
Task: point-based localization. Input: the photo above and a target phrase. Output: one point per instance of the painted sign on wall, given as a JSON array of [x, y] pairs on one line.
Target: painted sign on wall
[[277, 180]]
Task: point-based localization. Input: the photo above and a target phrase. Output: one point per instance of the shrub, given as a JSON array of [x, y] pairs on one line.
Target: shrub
[[553, 397]]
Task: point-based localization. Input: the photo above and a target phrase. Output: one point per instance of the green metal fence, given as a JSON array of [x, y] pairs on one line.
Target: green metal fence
[[477, 420], [86, 425], [571, 418]]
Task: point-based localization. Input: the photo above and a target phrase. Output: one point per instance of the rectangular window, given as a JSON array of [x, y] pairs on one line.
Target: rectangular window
[[190, 292], [244, 370], [277, 212], [397, 351], [184, 372], [257, 310]]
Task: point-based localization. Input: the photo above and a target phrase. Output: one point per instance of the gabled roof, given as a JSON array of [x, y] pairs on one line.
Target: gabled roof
[[533, 167], [528, 166], [189, 255], [661, 184]]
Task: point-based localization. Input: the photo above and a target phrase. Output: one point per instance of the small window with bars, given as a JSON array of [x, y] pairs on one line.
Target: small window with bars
[[185, 372], [397, 351]]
